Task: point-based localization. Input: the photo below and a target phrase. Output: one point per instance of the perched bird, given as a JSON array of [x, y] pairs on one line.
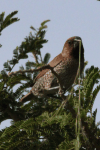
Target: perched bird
[[65, 65]]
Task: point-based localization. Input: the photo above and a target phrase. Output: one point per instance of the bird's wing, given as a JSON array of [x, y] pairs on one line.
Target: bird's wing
[[53, 63]]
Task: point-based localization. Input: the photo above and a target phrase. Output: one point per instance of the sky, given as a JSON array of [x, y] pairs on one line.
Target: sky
[[68, 18]]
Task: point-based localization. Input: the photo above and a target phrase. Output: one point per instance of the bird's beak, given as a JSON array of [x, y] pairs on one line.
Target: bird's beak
[[77, 38], [76, 41]]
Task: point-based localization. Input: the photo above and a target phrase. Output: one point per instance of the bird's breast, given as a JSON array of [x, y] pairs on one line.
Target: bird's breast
[[66, 69]]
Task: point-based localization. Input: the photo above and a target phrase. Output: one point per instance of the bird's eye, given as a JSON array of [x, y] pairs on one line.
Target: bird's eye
[[69, 42]]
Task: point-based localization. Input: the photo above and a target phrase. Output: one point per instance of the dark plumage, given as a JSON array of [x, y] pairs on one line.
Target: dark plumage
[[65, 65]]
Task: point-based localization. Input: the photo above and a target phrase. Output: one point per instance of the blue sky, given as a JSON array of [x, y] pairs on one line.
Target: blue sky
[[68, 18]]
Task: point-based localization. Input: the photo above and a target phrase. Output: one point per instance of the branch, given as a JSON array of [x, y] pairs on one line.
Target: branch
[[35, 58], [30, 70]]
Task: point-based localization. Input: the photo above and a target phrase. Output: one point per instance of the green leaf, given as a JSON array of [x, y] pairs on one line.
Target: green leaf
[[2, 17], [1, 85], [21, 56], [95, 92], [46, 58], [8, 20], [44, 22], [33, 28]]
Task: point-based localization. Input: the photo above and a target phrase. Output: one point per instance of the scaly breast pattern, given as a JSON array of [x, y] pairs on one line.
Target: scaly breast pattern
[[67, 70]]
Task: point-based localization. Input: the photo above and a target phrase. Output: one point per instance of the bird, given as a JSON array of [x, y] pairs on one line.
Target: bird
[[65, 65]]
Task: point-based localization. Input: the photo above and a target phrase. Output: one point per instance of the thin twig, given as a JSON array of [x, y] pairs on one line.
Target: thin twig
[[35, 58], [30, 70], [78, 119]]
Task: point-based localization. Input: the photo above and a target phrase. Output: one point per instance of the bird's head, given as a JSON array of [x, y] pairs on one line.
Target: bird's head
[[71, 48]]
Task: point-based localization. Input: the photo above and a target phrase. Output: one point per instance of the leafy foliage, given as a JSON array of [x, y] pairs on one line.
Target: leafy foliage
[[45, 123], [8, 20]]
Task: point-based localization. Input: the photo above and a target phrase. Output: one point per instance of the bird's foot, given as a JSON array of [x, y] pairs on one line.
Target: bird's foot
[[61, 91]]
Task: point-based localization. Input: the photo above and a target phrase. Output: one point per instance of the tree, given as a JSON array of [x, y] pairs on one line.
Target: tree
[[44, 123]]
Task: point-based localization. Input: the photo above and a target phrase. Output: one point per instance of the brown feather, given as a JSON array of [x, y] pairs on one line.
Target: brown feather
[[53, 63]]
